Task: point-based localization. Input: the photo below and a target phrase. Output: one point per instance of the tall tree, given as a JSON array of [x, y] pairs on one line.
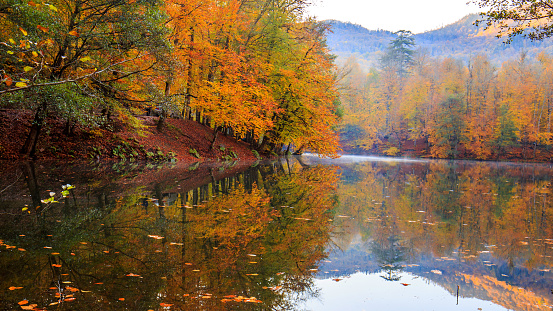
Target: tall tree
[[98, 45], [398, 56]]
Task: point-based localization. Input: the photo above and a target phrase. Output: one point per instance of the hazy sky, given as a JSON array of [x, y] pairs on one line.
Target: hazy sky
[[414, 15]]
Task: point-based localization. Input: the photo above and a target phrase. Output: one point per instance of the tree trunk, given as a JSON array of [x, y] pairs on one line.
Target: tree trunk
[[29, 148], [214, 139]]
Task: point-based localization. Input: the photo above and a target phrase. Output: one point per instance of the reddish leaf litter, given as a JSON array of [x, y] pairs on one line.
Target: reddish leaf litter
[[177, 137]]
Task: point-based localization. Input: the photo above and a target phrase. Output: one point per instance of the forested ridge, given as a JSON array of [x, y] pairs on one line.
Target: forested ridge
[[477, 98], [460, 40], [256, 70]]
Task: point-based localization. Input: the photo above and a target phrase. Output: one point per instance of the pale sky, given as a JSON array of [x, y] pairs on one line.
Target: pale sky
[[414, 15]]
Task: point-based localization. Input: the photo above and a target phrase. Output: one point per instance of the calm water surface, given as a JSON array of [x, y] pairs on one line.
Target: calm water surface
[[300, 234]]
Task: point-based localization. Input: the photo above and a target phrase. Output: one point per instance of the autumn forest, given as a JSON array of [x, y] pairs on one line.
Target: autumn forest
[[447, 108], [262, 72], [257, 70]]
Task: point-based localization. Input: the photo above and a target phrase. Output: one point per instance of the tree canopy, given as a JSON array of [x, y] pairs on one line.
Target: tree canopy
[[530, 18], [255, 69]]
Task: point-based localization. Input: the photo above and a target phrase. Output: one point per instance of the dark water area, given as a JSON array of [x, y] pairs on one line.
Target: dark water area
[[356, 233]]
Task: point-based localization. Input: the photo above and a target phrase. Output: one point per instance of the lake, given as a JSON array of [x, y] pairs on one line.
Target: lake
[[303, 233]]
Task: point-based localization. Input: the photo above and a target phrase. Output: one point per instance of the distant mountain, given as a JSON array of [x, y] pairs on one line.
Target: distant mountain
[[459, 40]]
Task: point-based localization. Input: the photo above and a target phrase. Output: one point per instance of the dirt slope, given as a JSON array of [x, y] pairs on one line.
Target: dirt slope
[[184, 140]]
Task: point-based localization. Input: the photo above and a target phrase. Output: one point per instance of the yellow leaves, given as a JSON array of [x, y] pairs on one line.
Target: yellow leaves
[[53, 8], [165, 305], [23, 302], [29, 307], [157, 237], [73, 33], [20, 84], [12, 41], [56, 265], [27, 68], [23, 31], [233, 298], [85, 59]]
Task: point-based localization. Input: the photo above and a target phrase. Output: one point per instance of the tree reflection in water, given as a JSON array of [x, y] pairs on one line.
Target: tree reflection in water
[[206, 239]]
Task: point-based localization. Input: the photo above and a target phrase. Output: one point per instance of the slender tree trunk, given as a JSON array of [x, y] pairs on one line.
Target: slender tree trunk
[[29, 148], [214, 139]]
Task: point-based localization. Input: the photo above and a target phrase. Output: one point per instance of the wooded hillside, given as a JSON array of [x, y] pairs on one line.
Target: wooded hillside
[[460, 40], [257, 70]]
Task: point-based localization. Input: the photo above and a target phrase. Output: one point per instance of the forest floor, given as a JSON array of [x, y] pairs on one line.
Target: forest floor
[[182, 140]]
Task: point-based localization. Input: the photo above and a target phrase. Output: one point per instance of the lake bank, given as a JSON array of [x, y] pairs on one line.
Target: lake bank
[[183, 140]]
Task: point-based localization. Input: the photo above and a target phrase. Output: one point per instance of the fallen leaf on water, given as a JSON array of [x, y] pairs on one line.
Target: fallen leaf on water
[[436, 272], [157, 237], [14, 287], [55, 254], [163, 304], [121, 299], [21, 249], [56, 265], [98, 283], [337, 280], [83, 243], [29, 307], [187, 264], [132, 274], [253, 274], [54, 303], [23, 302], [48, 247], [405, 284]]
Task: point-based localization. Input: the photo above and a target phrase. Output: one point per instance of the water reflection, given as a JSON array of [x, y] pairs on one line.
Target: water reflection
[[213, 238], [485, 227], [285, 235]]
